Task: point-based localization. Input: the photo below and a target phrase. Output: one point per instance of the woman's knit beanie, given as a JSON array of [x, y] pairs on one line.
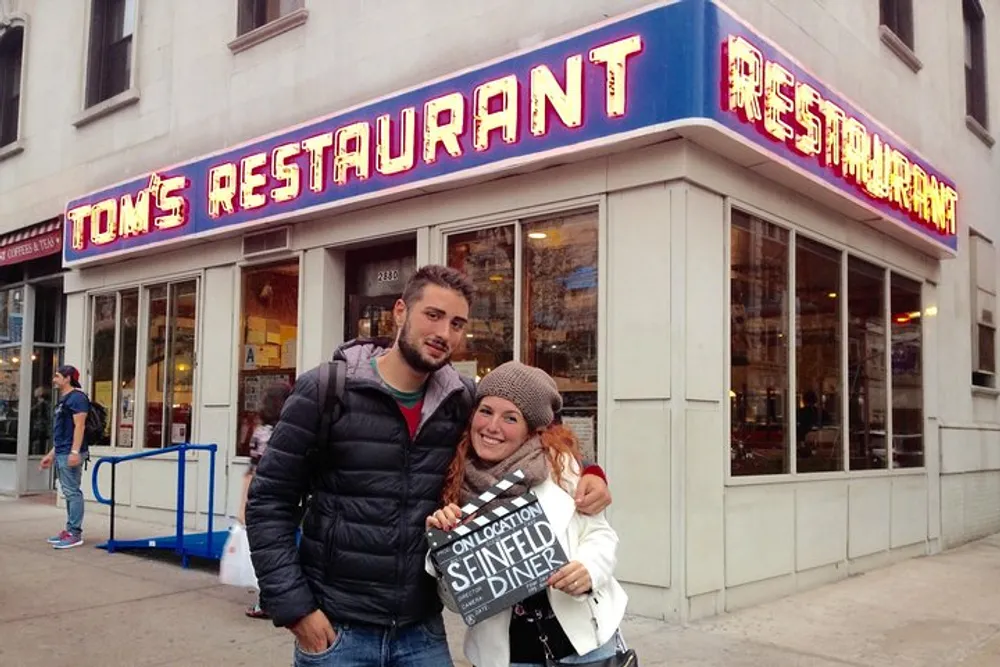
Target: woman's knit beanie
[[531, 389]]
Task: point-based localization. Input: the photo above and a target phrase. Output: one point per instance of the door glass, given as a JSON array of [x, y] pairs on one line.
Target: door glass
[[10, 387], [156, 364], [102, 374], [486, 256], [44, 362], [270, 317], [180, 355], [129, 334], [559, 315]]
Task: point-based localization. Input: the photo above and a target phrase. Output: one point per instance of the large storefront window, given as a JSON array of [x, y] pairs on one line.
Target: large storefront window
[[759, 311], [165, 406], [556, 275], [866, 381], [819, 445], [170, 363], [269, 338], [825, 402], [907, 375], [11, 332], [486, 256]]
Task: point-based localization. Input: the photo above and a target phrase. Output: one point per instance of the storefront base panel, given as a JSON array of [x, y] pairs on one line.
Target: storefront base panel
[[8, 476], [653, 601], [759, 592], [783, 537], [970, 506]]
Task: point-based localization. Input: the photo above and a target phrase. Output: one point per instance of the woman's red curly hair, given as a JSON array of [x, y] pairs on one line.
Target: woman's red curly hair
[[557, 443]]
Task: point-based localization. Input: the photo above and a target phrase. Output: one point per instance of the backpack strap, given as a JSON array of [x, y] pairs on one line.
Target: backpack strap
[[330, 397]]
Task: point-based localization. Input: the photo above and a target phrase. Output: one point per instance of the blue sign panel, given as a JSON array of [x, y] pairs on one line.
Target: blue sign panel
[[636, 75]]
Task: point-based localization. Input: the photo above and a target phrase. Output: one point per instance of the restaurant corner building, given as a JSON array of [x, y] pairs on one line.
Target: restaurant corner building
[[729, 267]]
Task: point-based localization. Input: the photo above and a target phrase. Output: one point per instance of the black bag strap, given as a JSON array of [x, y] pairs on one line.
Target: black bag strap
[[331, 394]]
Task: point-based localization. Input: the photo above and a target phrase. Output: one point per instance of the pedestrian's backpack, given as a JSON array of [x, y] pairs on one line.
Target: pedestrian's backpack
[[97, 422]]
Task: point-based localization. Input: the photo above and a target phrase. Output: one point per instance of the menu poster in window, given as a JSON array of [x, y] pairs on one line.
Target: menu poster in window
[[251, 393], [125, 436], [127, 407], [178, 433], [583, 428]]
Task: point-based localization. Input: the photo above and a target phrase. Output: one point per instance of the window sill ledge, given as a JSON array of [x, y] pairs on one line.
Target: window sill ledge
[[269, 30], [107, 107], [981, 132], [902, 51], [987, 392], [10, 150]]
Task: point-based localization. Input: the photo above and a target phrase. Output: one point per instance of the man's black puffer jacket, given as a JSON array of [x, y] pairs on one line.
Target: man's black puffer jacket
[[362, 553]]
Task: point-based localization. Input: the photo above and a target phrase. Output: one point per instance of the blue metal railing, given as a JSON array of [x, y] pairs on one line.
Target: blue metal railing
[[181, 456]]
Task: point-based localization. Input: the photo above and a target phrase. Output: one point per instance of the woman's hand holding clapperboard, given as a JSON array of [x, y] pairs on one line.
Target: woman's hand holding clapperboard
[[572, 578]]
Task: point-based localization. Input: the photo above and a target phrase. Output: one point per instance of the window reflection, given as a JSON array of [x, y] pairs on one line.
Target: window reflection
[[866, 375], [759, 346], [486, 256], [270, 318], [559, 315], [170, 363], [102, 370], [129, 335], [44, 362], [907, 374], [819, 446]]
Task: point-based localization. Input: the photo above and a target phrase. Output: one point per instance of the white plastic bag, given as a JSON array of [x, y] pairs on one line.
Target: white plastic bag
[[236, 568]]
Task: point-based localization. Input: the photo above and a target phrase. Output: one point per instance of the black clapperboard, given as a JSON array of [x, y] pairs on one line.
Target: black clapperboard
[[498, 558]]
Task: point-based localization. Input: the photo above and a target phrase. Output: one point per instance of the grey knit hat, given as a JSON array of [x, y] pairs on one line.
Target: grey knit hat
[[531, 389]]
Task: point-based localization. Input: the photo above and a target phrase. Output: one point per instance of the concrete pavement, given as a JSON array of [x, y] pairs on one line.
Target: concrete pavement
[[85, 607]]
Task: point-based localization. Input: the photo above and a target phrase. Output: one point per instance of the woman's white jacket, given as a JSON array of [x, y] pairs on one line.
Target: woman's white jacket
[[589, 620]]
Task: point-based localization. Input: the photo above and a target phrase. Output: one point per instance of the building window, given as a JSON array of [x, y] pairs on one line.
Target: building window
[[11, 330], [46, 357], [255, 14], [759, 347], [269, 325], [834, 414], [536, 301], [170, 347], [975, 62], [109, 69], [907, 374], [819, 443], [11, 54], [866, 378], [897, 16], [984, 297], [161, 415]]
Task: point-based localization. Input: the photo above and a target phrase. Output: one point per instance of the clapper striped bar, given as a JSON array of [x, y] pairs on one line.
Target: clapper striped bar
[[438, 538]]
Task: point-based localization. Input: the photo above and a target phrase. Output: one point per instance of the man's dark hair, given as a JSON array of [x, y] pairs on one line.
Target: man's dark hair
[[442, 276], [272, 401]]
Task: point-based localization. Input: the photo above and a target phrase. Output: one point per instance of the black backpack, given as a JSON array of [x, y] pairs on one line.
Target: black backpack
[[97, 423]]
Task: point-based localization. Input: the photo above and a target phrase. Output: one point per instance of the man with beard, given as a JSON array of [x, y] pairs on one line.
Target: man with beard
[[354, 592]]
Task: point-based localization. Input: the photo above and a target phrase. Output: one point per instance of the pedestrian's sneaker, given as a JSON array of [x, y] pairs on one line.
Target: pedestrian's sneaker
[[69, 542], [56, 539]]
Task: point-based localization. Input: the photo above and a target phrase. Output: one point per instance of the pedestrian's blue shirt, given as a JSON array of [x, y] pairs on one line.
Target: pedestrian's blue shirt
[[71, 404]]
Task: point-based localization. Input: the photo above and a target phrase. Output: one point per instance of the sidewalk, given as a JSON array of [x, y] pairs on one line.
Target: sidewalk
[[85, 607]]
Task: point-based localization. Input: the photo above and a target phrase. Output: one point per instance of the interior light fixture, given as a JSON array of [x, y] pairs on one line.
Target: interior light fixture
[[537, 235], [832, 295]]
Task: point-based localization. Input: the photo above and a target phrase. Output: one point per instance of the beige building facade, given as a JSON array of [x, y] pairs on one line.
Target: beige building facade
[[753, 242]]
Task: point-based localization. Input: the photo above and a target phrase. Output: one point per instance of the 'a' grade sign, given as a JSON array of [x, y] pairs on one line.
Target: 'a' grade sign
[[500, 558]]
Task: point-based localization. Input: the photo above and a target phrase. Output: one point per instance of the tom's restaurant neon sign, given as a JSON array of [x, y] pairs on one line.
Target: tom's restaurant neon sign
[[630, 77], [766, 94]]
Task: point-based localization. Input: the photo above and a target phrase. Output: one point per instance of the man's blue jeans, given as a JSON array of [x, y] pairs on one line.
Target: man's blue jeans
[[69, 481], [357, 645]]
